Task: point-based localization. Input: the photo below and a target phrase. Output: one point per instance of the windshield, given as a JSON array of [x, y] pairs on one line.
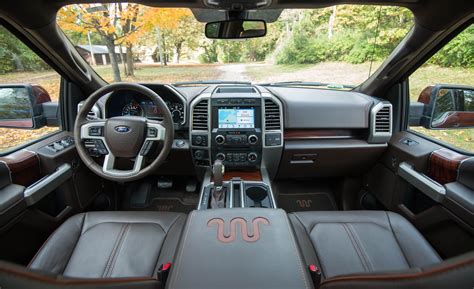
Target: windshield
[[336, 47]]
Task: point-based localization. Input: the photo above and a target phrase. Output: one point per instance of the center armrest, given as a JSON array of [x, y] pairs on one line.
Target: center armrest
[[238, 248]]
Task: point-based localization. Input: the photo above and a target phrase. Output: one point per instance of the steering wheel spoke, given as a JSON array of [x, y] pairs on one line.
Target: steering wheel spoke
[[109, 164]]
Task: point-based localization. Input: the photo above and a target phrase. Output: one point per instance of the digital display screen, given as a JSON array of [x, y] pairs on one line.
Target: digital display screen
[[150, 109], [236, 117]]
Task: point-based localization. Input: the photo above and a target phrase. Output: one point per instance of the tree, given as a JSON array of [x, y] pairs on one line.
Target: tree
[[186, 34], [162, 20], [114, 23]]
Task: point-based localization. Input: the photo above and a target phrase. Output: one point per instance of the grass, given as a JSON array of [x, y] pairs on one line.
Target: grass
[[431, 74], [330, 72], [166, 74], [50, 80]]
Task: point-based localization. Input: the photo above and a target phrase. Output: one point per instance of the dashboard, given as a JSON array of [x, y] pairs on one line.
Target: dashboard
[[291, 131]]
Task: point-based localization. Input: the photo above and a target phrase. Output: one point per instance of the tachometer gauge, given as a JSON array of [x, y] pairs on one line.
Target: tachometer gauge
[[132, 109], [177, 111]]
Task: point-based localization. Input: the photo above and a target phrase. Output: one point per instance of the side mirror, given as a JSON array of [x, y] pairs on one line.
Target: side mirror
[[453, 107], [236, 29], [444, 107], [21, 106]]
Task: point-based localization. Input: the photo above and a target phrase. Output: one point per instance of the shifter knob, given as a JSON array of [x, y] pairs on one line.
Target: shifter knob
[[218, 170]]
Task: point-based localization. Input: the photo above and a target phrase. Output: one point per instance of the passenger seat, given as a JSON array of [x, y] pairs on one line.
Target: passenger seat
[[371, 249]]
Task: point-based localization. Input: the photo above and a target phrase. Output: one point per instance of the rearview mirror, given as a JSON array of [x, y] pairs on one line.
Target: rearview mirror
[[444, 107], [21, 106], [236, 29]]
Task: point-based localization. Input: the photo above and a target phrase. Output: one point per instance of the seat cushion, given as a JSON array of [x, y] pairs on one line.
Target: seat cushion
[[111, 244], [352, 242]]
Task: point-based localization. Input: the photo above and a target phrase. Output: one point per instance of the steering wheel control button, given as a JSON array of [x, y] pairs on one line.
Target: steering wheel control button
[[253, 139], [146, 148], [220, 139], [152, 132], [95, 131], [273, 139]]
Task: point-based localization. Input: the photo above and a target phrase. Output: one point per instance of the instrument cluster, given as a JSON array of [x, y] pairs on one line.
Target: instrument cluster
[[128, 103]]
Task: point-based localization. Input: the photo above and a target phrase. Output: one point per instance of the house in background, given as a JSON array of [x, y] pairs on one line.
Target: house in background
[[100, 52]]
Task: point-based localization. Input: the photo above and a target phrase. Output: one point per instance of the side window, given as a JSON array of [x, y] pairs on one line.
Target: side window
[[29, 92], [442, 94]]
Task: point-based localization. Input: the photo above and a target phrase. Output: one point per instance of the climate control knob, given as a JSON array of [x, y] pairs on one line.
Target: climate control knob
[[252, 157], [220, 156], [220, 139], [253, 139]]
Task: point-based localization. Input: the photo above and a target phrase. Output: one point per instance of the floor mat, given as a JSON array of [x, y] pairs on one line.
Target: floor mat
[[306, 202], [146, 196], [171, 205]]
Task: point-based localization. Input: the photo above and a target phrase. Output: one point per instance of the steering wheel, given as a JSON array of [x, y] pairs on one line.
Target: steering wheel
[[128, 137]]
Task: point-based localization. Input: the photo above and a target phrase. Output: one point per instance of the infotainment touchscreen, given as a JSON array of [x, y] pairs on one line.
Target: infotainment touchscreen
[[236, 117]]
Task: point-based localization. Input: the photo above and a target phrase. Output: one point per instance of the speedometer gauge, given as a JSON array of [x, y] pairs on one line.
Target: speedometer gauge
[[177, 111], [132, 109]]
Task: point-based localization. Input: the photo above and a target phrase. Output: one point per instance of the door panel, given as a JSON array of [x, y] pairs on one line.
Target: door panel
[[52, 177], [405, 181]]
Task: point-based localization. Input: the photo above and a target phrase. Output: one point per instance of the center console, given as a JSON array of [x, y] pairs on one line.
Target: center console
[[239, 128], [238, 248]]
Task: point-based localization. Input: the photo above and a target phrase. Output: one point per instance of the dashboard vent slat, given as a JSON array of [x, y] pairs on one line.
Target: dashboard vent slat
[[201, 115], [382, 120], [381, 123], [272, 115]]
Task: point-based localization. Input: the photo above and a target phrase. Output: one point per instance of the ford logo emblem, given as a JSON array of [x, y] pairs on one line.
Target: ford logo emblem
[[122, 129]]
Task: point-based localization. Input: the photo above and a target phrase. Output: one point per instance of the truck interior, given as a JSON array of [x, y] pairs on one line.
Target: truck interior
[[235, 183]]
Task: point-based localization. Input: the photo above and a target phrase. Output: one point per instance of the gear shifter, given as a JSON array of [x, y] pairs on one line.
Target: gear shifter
[[218, 191]]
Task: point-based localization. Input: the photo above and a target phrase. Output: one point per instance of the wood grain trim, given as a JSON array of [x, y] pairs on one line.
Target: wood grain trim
[[444, 164], [255, 176], [24, 167], [299, 134]]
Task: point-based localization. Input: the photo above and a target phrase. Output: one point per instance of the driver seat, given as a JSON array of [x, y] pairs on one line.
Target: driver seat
[[111, 245]]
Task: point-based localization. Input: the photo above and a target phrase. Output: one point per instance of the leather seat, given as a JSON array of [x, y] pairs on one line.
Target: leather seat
[[111, 244], [361, 242]]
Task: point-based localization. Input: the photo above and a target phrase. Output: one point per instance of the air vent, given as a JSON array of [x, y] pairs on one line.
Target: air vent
[[381, 123], [93, 114], [382, 120], [272, 115], [201, 115]]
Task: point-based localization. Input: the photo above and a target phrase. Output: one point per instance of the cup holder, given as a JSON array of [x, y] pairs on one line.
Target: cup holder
[[257, 196]]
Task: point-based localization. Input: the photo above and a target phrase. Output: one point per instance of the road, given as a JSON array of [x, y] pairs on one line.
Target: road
[[233, 72]]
